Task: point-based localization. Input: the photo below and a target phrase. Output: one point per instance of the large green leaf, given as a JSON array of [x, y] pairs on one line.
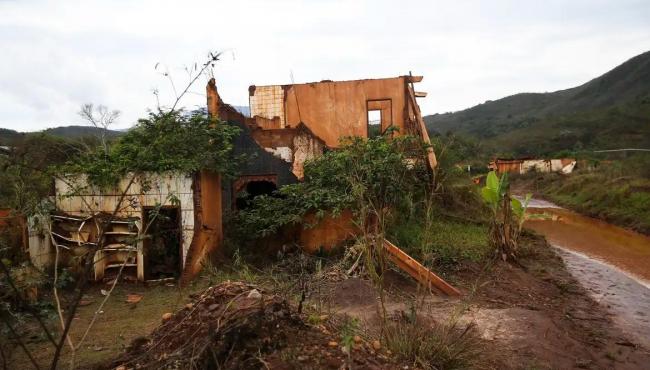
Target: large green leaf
[[490, 196], [492, 181], [503, 184], [517, 207]]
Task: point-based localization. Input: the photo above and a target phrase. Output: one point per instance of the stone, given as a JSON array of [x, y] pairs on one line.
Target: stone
[[166, 316], [357, 339], [376, 345], [255, 294]]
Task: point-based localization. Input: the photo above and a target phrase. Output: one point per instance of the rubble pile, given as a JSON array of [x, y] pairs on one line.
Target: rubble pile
[[235, 325]]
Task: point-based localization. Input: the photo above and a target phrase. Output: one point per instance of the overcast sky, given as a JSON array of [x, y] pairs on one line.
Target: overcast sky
[[56, 55]]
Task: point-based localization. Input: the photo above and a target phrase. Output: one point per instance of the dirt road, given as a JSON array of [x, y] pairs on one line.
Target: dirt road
[[612, 263]]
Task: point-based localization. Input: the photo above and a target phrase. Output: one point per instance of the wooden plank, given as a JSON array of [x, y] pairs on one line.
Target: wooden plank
[[431, 156], [414, 79], [420, 273]]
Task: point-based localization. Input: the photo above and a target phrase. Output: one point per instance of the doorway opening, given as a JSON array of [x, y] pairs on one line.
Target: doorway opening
[[163, 243], [252, 189]]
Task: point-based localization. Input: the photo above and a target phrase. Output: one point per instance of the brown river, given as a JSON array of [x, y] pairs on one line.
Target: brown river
[[612, 263]]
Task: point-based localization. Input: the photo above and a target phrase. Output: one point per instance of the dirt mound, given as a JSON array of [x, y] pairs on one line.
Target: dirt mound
[[237, 326]]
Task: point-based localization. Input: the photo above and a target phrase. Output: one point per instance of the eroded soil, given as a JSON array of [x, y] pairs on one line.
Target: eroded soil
[[532, 317]]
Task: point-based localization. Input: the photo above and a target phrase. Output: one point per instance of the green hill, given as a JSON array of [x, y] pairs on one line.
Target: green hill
[[611, 111], [10, 137]]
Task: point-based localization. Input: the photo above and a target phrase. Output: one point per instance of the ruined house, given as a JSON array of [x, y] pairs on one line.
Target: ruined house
[[289, 124], [526, 165]]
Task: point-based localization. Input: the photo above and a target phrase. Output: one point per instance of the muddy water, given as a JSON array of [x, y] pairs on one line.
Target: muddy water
[[612, 263]]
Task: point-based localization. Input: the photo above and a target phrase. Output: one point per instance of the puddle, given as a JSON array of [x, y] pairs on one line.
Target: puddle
[[612, 263]]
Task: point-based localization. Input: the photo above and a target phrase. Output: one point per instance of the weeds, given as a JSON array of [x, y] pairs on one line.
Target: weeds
[[436, 346]]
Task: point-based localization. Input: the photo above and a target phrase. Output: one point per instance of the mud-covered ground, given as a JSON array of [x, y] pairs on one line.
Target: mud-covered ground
[[535, 316]]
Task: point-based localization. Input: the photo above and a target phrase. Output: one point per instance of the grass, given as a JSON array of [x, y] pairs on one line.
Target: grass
[[118, 324], [616, 193], [442, 241], [437, 346]]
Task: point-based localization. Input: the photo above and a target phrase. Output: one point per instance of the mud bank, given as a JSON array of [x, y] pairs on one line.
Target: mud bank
[[610, 262]]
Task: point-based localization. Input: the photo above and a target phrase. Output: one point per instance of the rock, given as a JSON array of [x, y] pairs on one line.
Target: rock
[[166, 316], [332, 344], [255, 294], [376, 345], [189, 306], [357, 339], [213, 307]]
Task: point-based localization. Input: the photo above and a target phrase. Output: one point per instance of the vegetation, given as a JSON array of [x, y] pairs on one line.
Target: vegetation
[[24, 170], [10, 137], [437, 346], [608, 112], [361, 173], [166, 141], [508, 215], [617, 191]]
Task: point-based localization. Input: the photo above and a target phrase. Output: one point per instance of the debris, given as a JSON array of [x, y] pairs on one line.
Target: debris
[[133, 298], [420, 273], [104, 292], [255, 294], [226, 329]]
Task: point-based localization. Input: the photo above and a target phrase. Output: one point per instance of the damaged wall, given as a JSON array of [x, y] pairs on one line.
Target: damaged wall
[[327, 111], [147, 191], [526, 165], [333, 109]]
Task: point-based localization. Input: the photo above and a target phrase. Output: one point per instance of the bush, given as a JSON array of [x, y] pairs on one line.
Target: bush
[[378, 173]]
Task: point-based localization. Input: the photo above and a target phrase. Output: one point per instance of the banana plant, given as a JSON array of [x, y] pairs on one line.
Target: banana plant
[[504, 231]]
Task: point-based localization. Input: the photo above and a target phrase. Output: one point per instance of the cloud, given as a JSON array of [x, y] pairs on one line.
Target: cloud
[[61, 54]]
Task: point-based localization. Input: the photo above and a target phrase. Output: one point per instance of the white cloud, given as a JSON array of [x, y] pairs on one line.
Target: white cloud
[[57, 55]]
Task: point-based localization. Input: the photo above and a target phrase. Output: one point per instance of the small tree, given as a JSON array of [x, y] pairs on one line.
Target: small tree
[[508, 215]]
